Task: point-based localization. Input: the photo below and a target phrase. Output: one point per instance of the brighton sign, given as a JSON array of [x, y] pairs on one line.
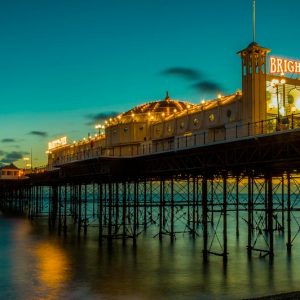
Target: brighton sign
[[280, 65]]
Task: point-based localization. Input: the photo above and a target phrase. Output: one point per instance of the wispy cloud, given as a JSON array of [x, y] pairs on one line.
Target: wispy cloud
[[38, 133], [98, 118], [186, 73], [198, 81], [10, 157], [207, 86], [8, 140]]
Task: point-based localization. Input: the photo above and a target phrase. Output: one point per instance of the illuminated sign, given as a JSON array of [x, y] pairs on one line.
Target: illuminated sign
[[281, 65], [57, 143]]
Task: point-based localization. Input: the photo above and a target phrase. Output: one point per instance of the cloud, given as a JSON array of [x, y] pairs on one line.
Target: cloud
[[201, 84], [207, 86], [8, 140], [186, 73], [38, 133], [10, 157], [98, 118]]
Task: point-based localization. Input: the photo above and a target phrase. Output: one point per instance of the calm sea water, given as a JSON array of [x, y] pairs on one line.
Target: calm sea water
[[35, 264]]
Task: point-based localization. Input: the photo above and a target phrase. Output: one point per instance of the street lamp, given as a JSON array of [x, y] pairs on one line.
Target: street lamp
[[27, 163], [99, 127], [275, 83]]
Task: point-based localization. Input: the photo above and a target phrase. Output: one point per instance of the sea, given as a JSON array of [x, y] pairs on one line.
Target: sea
[[36, 263]]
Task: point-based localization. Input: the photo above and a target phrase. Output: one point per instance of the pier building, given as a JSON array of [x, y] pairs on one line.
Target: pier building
[[267, 103]]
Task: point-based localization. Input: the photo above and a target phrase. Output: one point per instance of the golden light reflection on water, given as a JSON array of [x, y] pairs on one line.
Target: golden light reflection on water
[[53, 269]]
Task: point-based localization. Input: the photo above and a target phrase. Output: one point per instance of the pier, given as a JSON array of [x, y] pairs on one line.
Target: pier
[[172, 167], [192, 190]]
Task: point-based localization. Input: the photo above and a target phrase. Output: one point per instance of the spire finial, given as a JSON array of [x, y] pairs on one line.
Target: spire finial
[[254, 19], [167, 96]]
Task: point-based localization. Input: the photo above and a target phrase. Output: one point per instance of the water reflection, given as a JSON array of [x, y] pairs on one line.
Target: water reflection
[[42, 266], [52, 268]]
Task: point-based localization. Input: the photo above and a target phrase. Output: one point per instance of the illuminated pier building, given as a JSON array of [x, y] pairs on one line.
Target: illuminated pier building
[[268, 102]]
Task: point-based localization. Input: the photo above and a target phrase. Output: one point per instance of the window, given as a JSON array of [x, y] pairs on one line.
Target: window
[[211, 117]]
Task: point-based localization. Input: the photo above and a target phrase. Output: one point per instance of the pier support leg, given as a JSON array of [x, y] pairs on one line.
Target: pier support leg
[[85, 210], [250, 213], [79, 220], [282, 205], [59, 210], [204, 218], [194, 209], [289, 232], [124, 212], [237, 217], [135, 211], [65, 211], [110, 211], [172, 210], [225, 254], [270, 216], [100, 197], [145, 204]]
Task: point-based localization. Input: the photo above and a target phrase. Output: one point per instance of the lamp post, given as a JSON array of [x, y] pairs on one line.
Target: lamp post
[[99, 127], [275, 84]]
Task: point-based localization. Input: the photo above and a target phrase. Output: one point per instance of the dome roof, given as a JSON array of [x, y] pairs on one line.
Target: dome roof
[[167, 106]]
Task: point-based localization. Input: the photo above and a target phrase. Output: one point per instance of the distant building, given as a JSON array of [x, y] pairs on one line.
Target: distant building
[[10, 172]]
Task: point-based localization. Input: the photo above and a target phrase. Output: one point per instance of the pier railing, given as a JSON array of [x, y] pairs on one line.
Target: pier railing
[[230, 132], [215, 135]]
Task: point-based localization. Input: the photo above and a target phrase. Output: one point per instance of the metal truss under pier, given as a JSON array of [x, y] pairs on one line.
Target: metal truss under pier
[[254, 183]]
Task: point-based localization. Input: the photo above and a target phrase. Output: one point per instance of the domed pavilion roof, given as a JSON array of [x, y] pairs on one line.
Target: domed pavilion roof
[[167, 106]]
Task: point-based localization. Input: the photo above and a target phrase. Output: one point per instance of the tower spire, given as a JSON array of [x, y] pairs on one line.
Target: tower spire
[[254, 20]]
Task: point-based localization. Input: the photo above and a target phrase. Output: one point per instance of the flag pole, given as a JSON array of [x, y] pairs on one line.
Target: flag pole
[[254, 21]]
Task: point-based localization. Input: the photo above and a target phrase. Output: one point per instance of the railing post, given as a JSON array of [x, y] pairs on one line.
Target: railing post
[[236, 131], [248, 128], [262, 126], [204, 137], [292, 121], [214, 134]]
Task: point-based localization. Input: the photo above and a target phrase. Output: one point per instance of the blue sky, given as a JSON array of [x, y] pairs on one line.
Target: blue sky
[[65, 62]]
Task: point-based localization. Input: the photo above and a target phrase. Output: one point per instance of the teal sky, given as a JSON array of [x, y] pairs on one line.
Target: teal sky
[[65, 62]]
